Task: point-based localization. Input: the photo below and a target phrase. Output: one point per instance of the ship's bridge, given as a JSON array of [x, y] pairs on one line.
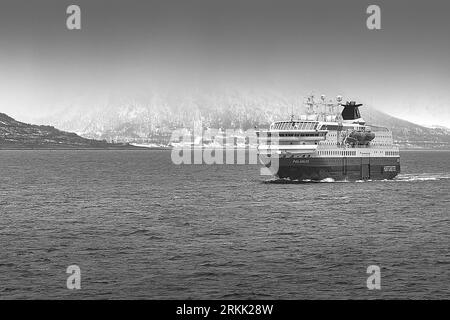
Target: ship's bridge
[[291, 137], [294, 125]]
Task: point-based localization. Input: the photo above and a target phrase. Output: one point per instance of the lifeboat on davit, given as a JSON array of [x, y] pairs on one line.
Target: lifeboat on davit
[[360, 137]]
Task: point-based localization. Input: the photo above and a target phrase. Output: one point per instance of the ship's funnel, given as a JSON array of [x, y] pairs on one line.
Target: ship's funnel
[[351, 111]]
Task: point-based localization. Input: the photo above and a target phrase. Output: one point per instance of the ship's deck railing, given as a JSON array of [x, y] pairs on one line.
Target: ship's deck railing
[[362, 146]]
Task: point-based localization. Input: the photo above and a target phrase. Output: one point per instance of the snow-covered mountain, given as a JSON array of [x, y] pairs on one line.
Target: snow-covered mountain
[[154, 118]]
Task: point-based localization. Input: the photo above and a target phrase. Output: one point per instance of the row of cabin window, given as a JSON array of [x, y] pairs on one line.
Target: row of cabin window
[[337, 153], [392, 153], [290, 135], [298, 135]]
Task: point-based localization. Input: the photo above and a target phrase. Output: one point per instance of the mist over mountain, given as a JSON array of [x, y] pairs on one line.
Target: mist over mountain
[[152, 118]]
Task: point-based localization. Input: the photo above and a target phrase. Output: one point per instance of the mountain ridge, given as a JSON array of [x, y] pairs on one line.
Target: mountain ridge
[[19, 135], [409, 134]]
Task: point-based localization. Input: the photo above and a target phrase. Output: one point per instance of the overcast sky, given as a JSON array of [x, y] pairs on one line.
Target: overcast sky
[[321, 46]]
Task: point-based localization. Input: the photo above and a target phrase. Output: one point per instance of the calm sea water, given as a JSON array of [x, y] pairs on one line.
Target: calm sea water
[[140, 227]]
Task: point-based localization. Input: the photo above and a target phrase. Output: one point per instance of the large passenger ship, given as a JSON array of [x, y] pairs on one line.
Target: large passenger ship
[[329, 143]]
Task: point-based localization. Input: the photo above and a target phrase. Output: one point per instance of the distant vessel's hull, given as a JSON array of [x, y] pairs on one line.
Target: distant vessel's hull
[[338, 168]]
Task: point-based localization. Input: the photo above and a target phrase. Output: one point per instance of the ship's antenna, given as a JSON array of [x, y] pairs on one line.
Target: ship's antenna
[[311, 104], [323, 110], [308, 106], [339, 103]]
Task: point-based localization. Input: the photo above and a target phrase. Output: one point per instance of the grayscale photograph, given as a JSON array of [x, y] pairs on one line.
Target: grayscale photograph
[[224, 150]]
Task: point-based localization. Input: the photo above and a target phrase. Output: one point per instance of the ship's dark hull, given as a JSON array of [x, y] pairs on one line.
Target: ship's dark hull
[[350, 168]]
